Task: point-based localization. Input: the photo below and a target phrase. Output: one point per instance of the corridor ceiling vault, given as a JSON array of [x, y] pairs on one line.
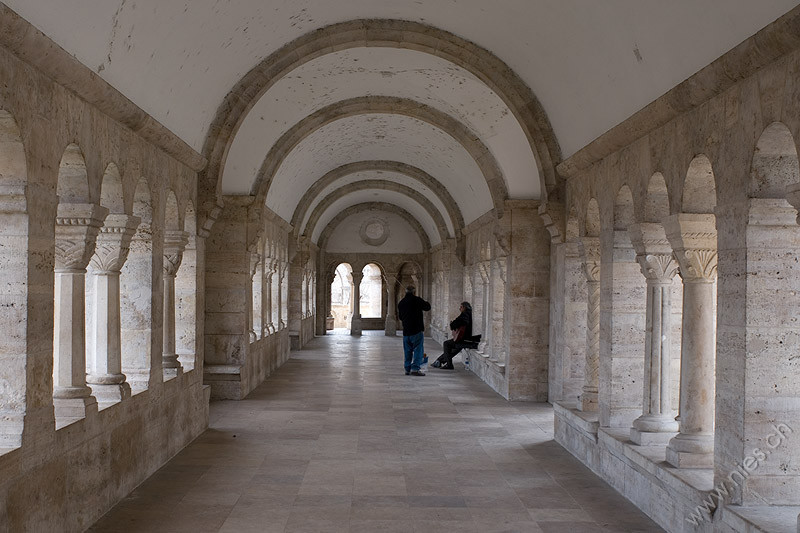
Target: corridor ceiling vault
[[443, 109]]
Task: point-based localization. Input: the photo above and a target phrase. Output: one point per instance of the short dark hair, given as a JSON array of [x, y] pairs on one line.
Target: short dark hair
[[411, 289], [466, 306]]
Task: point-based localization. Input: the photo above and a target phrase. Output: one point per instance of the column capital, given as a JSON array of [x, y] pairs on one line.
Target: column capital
[[77, 227], [175, 242], [113, 243], [694, 239]]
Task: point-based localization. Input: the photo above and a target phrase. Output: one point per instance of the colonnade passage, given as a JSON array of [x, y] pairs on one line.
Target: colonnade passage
[[340, 439]]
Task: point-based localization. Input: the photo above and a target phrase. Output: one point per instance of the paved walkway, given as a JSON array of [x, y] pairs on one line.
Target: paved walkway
[[340, 439]]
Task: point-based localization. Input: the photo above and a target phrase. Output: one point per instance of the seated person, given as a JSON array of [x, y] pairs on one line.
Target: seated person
[[462, 338]]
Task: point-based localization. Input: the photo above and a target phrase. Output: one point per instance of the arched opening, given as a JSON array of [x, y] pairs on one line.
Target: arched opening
[[623, 317], [371, 291], [186, 294], [342, 298], [136, 295], [103, 326], [77, 224], [693, 237], [13, 236], [175, 241]]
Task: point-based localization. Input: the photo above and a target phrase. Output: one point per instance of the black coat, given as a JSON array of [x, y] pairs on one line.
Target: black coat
[[409, 310], [464, 319]]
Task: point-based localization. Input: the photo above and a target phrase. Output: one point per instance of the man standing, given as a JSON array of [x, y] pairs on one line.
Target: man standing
[[410, 311]]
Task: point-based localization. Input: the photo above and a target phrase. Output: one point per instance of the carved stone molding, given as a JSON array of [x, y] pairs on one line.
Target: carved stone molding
[[694, 239], [113, 243], [77, 227], [175, 242], [660, 268]]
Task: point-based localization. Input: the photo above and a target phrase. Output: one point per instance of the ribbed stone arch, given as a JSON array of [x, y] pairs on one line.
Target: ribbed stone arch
[[387, 166], [484, 65], [426, 204], [373, 206], [366, 105]]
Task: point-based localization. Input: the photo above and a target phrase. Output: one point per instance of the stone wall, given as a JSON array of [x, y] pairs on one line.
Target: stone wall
[[507, 281], [246, 334], [97, 227], [694, 225]]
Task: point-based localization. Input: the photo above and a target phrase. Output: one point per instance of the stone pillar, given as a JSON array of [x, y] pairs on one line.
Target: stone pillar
[[657, 423], [355, 322], [694, 239], [590, 253], [266, 299], [255, 289], [483, 269], [77, 227], [390, 329], [283, 288], [498, 311], [174, 243], [105, 364], [269, 272]]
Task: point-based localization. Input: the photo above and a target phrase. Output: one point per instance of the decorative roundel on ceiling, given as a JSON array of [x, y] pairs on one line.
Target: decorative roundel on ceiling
[[374, 231]]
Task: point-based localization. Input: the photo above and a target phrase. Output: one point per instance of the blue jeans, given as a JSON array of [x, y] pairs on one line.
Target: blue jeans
[[413, 346]]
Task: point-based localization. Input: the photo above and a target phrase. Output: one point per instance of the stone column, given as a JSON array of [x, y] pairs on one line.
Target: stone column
[[77, 227], [484, 269], [174, 243], [654, 255], [498, 312], [590, 253], [694, 239], [355, 322], [283, 291], [390, 330], [255, 288], [105, 369], [266, 300]]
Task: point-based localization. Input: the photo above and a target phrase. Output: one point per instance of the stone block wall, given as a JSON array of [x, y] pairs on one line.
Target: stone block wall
[[719, 179], [86, 201]]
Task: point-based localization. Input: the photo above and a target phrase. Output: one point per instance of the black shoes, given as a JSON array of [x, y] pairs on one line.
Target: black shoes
[[417, 373], [408, 372], [447, 367]]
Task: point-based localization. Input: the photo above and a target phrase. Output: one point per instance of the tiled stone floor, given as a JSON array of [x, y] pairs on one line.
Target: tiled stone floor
[[340, 439]]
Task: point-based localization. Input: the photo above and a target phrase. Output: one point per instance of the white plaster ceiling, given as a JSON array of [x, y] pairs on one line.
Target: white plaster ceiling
[[389, 197], [383, 72], [402, 237], [380, 137], [591, 63], [395, 177]]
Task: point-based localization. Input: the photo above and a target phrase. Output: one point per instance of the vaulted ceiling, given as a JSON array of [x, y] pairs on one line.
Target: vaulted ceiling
[[462, 101]]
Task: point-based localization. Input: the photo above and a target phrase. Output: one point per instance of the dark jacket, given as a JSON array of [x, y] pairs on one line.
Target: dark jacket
[[464, 319], [409, 310]]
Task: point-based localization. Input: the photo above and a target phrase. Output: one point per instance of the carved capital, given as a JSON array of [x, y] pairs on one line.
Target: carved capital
[[698, 265], [694, 239], [77, 227], [175, 242], [113, 243], [660, 268]]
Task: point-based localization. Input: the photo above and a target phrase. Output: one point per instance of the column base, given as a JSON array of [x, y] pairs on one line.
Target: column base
[[649, 438], [588, 402], [691, 451], [75, 408], [391, 327], [355, 326], [655, 424], [111, 393], [172, 372]]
